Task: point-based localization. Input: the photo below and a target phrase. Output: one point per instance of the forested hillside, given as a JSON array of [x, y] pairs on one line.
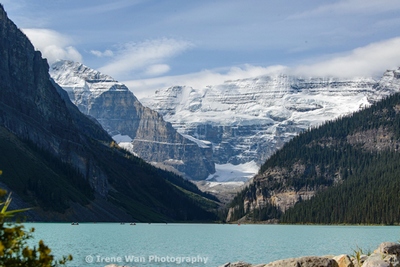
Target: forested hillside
[[64, 164], [350, 166]]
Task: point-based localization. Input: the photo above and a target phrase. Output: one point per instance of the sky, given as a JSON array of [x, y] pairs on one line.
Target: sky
[[152, 44]]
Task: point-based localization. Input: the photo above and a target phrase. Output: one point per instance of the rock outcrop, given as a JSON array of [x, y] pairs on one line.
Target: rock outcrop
[[326, 157], [386, 255], [249, 119], [32, 109], [122, 115]]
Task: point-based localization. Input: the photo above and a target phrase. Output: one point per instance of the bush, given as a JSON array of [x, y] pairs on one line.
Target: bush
[[14, 250]]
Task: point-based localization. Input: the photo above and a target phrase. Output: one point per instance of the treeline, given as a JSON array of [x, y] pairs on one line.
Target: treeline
[[265, 212], [332, 135], [40, 178], [171, 196], [362, 179], [368, 196]]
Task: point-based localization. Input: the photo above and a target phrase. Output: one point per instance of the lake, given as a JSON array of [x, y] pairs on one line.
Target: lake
[[101, 244]]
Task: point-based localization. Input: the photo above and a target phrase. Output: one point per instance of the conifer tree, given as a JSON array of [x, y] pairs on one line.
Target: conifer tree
[[14, 250]]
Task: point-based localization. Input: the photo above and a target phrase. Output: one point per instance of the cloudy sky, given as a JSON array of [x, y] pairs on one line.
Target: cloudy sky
[[149, 44]]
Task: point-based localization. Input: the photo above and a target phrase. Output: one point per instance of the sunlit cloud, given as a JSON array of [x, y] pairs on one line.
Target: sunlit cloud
[[145, 87], [106, 53], [158, 69], [141, 56], [112, 6], [352, 6], [53, 45], [371, 60], [368, 61]]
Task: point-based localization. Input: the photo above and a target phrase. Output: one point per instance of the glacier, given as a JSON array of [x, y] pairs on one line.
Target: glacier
[[229, 129], [247, 120]]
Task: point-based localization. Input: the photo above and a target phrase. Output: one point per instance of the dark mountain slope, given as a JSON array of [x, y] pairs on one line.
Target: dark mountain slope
[[55, 157], [351, 165]]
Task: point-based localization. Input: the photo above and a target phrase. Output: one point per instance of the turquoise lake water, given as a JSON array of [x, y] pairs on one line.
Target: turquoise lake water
[[101, 244]]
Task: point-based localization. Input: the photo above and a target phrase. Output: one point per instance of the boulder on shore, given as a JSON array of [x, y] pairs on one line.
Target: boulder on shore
[[386, 255]]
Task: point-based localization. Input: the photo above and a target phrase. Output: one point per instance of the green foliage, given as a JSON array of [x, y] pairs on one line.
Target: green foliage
[[268, 211], [237, 204], [358, 252], [147, 193], [14, 250], [362, 177], [370, 179], [370, 195]]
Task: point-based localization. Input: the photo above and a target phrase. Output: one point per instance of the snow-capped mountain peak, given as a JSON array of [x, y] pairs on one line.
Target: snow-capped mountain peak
[[142, 130], [249, 119], [83, 83]]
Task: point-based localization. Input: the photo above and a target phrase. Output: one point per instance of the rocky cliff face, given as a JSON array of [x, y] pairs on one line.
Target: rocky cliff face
[[54, 157], [248, 120], [352, 151], [121, 114], [32, 108]]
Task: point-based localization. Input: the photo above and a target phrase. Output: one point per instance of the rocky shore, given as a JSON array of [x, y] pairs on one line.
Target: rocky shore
[[386, 255]]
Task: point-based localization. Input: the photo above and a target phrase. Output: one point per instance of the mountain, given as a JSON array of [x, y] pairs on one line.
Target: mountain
[[59, 160], [345, 171], [143, 130], [248, 120]]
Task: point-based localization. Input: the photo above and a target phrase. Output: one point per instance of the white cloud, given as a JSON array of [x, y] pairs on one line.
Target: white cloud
[[370, 60], [108, 7], [157, 69], [141, 56], [352, 6], [53, 45], [106, 53], [145, 87]]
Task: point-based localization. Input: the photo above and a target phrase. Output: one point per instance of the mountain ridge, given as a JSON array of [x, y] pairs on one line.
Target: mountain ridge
[[344, 171], [123, 116], [248, 120], [63, 162]]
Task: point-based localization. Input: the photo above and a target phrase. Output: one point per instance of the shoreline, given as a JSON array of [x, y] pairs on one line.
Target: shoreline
[[387, 254]]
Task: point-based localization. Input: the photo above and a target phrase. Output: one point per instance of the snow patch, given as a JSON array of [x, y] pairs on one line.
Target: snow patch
[[225, 184], [128, 147], [174, 162], [233, 173], [200, 143]]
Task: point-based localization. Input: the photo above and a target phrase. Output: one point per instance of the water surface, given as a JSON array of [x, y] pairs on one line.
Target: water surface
[[101, 244]]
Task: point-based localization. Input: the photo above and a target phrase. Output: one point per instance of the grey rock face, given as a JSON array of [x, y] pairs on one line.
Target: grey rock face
[[343, 260], [119, 112], [37, 120], [32, 109], [389, 248], [236, 264], [394, 260], [376, 263], [304, 262], [248, 120], [384, 256]]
